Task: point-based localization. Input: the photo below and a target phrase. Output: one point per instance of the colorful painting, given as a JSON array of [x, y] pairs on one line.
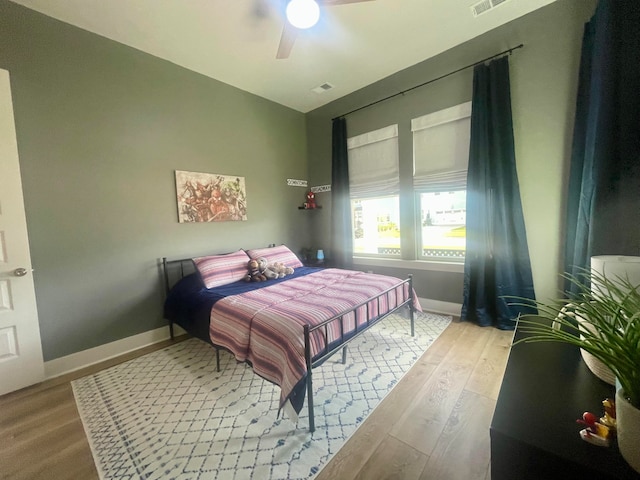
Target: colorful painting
[[208, 197]]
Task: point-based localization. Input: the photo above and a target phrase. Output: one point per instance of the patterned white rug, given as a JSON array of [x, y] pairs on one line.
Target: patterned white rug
[[170, 415]]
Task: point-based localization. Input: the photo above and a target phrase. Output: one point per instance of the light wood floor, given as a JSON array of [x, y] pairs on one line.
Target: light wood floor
[[433, 425]]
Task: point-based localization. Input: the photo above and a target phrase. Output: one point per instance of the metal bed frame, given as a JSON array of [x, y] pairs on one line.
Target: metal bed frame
[[329, 350]]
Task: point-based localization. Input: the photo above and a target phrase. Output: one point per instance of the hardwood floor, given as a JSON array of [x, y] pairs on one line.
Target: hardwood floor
[[433, 425]]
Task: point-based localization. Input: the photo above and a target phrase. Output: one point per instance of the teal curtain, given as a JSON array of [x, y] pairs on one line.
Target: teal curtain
[[341, 235], [603, 199], [497, 262]]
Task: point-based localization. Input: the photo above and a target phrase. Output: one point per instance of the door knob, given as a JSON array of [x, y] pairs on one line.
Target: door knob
[[20, 272]]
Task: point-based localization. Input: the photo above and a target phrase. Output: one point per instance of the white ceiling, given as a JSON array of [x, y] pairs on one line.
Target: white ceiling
[[235, 41]]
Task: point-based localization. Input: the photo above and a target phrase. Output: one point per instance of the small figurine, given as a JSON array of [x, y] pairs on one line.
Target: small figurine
[[609, 418], [600, 432], [311, 201]]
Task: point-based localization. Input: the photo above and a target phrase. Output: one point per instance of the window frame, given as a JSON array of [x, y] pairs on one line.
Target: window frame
[[443, 180], [369, 179], [353, 229], [419, 238]]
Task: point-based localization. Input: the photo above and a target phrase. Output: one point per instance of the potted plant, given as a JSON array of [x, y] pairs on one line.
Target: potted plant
[[605, 322]]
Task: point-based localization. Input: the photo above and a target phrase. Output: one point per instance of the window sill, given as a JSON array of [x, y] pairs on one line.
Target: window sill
[[454, 267]]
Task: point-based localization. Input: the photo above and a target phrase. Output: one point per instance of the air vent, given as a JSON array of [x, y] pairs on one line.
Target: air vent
[[486, 5], [323, 88]]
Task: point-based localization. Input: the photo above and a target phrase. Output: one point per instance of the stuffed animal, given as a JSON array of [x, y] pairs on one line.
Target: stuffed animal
[[267, 269], [274, 269], [279, 269], [283, 270], [254, 274]]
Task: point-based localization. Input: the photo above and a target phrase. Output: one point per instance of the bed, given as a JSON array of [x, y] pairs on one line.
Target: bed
[[282, 327]]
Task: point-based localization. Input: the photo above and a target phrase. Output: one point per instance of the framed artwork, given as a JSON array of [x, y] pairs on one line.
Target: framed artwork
[[209, 197]]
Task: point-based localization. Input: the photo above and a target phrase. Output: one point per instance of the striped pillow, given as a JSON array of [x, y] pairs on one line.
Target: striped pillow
[[219, 270], [280, 254]]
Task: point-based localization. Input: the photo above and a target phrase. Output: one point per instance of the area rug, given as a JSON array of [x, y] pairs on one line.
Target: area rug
[[170, 415]]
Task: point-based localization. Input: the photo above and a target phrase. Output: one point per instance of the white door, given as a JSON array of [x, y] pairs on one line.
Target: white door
[[21, 361]]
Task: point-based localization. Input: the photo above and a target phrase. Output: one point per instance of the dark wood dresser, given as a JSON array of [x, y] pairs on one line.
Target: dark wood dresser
[[534, 434]]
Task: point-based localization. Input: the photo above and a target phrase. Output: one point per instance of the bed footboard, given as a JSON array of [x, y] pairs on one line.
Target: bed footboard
[[344, 341]]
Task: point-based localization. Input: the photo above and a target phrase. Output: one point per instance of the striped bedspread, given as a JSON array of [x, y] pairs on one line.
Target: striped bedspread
[[265, 326]]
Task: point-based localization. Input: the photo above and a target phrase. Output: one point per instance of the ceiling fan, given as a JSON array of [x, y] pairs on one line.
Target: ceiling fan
[[302, 14]]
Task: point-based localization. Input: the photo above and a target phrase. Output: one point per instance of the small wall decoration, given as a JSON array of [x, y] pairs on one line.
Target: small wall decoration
[[292, 182], [321, 188], [209, 197]]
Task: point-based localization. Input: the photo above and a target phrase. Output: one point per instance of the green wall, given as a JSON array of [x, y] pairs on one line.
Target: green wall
[[101, 128], [543, 92]]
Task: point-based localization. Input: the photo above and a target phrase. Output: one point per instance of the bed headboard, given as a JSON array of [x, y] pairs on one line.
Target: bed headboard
[[174, 270]]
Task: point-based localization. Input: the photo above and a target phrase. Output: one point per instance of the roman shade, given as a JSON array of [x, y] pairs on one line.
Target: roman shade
[[373, 163], [441, 149]]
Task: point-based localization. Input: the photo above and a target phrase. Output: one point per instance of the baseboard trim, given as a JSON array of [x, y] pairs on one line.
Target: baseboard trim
[[437, 306], [76, 361]]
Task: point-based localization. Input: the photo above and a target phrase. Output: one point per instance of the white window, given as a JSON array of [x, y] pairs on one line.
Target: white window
[[374, 188], [440, 158]]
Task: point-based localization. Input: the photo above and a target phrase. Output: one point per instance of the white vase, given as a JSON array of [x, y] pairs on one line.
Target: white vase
[[628, 424], [596, 366]]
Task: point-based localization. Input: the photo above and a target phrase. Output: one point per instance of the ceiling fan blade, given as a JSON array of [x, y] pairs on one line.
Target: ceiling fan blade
[[289, 35], [342, 2]]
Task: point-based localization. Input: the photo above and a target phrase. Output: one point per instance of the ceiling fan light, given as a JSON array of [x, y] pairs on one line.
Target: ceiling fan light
[[303, 13]]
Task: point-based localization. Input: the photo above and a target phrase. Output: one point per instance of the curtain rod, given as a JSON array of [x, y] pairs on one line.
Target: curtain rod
[[431, 81]]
